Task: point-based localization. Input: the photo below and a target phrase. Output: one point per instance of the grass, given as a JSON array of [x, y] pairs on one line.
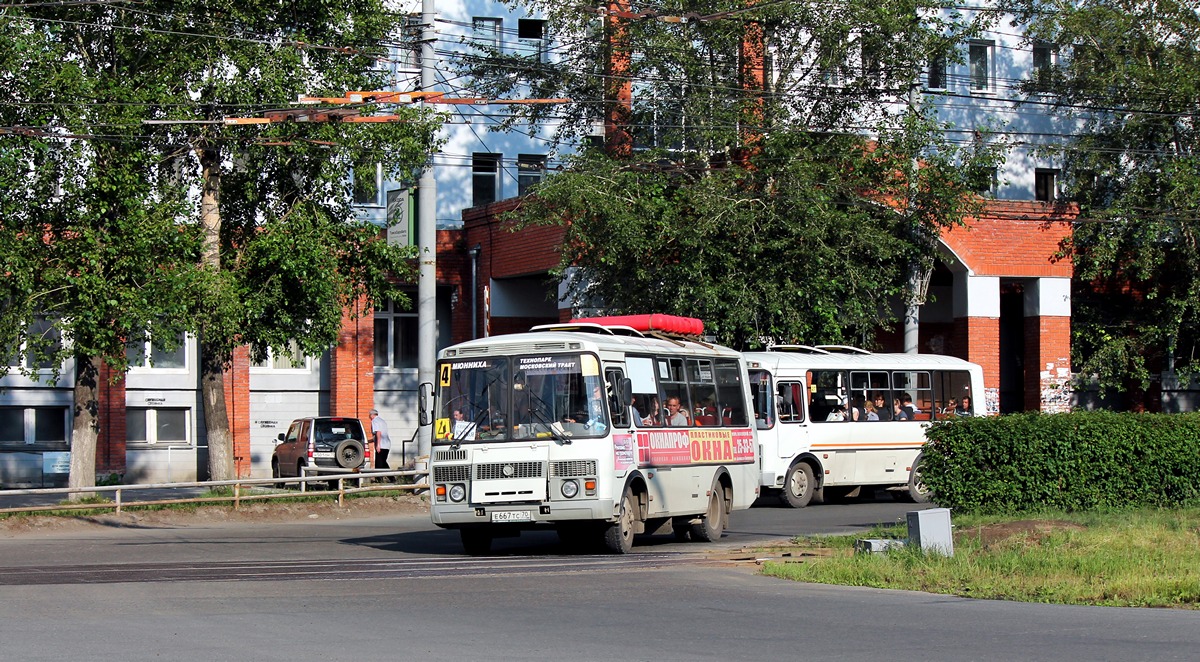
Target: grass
[[1142, 558]]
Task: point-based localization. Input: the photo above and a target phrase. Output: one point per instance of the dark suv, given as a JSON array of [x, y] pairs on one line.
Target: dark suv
[[320, 441]]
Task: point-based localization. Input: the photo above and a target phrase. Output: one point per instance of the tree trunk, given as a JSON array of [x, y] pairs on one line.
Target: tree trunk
[[216, 416], [84, 427], [213, 355]]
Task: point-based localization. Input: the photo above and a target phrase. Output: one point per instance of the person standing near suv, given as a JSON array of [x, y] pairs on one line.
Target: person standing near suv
[[379, 437]]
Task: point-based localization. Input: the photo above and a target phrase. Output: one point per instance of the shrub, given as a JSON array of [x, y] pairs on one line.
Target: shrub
[[1076, 461]]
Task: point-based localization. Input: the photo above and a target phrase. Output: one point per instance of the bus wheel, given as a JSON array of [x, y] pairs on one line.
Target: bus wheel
[[476, 541], [713, 523], [798, 485], [618, 537], [918, 491]]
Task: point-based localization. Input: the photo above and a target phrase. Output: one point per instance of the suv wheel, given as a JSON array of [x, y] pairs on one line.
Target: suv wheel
[[349, 453]]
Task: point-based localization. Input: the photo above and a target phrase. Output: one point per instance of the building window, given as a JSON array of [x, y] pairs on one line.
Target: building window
[[532, 35], [368, 182], [485, 175], [1045, 184], [831, 61], [979, 60], [42, 336], [147, 354], [936, 76], [531, 168], [291, 359], [485, 32], [986, 181], [156, 426], [1043, 66], [395, 337], [33, 425]]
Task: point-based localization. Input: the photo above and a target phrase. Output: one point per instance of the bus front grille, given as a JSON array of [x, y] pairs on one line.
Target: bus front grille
[[455, 473], [569, 468], [502, 470]]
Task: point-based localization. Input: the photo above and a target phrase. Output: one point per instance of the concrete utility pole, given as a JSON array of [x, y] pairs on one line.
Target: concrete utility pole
[[918, 278], [427, 243]]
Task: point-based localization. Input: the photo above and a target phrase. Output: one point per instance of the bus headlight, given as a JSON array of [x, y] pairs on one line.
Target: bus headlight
[[457, 492], [570, 488]]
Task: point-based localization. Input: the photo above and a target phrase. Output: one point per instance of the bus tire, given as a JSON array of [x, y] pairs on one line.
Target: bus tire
[[476, 541], [798, 485], [918, 491], [618, 537], [710, 526]]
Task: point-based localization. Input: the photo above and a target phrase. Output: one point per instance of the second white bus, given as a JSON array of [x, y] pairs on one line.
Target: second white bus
[[832, 420]]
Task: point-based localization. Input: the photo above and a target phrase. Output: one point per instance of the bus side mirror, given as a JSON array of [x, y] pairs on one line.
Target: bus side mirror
[[624, 389], [425, 404]]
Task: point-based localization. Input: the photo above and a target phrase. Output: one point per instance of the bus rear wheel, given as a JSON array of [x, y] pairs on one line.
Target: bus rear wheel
[[918, 491], [618, 537], [798, 485], [713, 523]]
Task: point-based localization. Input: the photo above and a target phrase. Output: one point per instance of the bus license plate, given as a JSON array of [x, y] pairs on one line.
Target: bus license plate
[[512, 516]]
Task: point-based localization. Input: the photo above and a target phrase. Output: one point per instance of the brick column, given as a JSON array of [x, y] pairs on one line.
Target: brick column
[[1048, 345], [110, 442], [237, 407], [977, 331], [352, 365]]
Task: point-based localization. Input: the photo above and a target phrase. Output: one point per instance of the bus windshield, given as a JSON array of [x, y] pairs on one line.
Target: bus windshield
[[521, 397]]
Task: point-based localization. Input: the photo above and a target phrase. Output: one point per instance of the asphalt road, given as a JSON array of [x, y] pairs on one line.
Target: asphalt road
[[388, 588]]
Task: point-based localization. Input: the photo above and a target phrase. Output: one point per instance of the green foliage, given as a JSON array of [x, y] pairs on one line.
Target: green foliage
[[100, 226], [1072, 462], [759, 206], [1135, 173], [801, 246]]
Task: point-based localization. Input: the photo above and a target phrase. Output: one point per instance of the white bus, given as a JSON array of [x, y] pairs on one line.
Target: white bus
[[559, 428], [833, 419]]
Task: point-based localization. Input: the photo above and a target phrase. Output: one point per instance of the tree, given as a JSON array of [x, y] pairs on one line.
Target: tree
[[90, 237], [1130, 71], [274, 202], [781, 186], [281, 257]]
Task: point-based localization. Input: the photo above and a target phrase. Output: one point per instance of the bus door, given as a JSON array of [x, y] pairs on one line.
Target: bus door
[[792, 431]]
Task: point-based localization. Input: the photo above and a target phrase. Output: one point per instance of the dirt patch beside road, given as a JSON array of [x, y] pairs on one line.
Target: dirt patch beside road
[[255, 512]]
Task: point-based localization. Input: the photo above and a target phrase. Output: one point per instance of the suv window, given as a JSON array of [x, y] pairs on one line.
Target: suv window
[[329, 430]]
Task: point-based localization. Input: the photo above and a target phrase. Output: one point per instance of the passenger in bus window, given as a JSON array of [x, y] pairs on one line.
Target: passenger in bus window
[[858, 411], [881, 409], [899, 413], [907, 403], [652, 415], [950, 410], [675, 416], [838, 414], [869, 412], [964, 408]]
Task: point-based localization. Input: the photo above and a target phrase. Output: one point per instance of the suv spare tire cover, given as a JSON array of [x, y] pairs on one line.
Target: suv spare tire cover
[[349, 453]]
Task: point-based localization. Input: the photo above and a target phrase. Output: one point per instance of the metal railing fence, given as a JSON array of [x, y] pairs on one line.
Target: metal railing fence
[[244, 490]]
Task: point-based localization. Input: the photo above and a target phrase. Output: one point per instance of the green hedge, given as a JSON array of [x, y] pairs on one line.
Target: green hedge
[[1077, 461]]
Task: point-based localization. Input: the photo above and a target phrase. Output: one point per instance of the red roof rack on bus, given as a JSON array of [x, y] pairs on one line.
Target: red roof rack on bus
[[818, 349], [657, 323]]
